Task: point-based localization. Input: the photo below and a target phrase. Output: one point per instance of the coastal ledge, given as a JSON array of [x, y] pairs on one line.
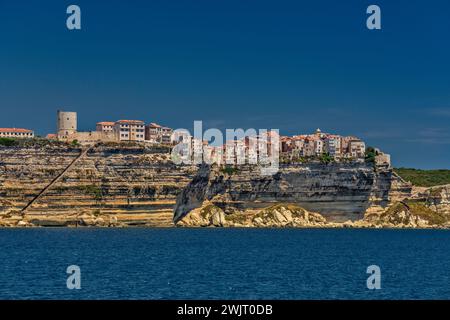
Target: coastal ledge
[[398, 216]]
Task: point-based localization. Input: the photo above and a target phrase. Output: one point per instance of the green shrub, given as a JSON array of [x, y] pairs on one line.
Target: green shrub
[[370, 154], [8, 142], [326, 158], [229, 170]]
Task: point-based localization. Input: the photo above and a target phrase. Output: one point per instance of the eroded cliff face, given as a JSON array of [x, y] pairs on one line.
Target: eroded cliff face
[[124, 185], [110, 185], [337, 191]]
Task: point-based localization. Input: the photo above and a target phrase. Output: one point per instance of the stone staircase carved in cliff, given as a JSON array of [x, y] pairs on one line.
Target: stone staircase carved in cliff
[[56, 179], [395, 174]]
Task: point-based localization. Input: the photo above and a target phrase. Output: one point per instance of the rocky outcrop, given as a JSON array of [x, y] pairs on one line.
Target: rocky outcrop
[[280, 215], [74, 219], [208, 215], [338, 191], [437, 198], [287, 215], [408, 214], [398, 215], [427, 207]]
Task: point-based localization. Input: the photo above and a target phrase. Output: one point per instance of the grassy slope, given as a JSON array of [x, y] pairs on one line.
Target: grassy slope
[[424, 178], [416, 209]]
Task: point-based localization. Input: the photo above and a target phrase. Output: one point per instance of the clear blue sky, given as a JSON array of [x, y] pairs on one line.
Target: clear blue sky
[[292, 65]]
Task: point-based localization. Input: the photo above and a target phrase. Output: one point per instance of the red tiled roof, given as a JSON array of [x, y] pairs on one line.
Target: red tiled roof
[[106, 123], [18, 130]]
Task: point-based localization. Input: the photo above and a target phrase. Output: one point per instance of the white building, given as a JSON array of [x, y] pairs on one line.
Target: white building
[[230, 152], [240, 152], [197, 150], [180, 136], [318, 146]]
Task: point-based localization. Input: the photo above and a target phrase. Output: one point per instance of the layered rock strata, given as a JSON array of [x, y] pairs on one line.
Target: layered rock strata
[[114, 185], [338, 191]]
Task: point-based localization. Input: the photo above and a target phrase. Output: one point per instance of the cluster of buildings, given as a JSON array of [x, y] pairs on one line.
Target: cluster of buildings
[[319, 143], [106, 131], [256, 149], [262, 148], [249, 149]]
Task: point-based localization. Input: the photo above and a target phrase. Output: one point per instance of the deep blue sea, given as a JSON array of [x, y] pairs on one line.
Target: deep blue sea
[[224, 263]]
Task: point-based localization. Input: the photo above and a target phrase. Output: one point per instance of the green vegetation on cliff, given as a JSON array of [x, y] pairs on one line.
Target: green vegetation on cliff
[[424, 178], [371, 154], [229, 170], [326, 158], [7, 142]]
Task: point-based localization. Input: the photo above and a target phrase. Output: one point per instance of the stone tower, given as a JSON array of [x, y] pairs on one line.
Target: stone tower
[[67, 123]]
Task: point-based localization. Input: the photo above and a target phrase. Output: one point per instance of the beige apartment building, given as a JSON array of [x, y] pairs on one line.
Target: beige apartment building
[[130, 130], [104, 126]]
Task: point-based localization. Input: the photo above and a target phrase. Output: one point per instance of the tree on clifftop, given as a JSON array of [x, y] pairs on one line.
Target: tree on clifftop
[[371, 153]]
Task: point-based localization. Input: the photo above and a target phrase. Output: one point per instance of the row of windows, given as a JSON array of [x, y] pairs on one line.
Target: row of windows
[[132, 125], [28, 134], [125, 135]]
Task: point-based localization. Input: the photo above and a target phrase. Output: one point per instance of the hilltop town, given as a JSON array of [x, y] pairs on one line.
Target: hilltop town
[[248, 149], [123, 174]]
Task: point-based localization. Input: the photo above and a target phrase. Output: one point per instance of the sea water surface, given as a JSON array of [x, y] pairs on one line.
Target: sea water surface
[[208, 263]]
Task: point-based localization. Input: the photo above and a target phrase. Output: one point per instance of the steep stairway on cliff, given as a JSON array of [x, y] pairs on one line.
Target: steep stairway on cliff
[[56, 179], [395, 174]]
